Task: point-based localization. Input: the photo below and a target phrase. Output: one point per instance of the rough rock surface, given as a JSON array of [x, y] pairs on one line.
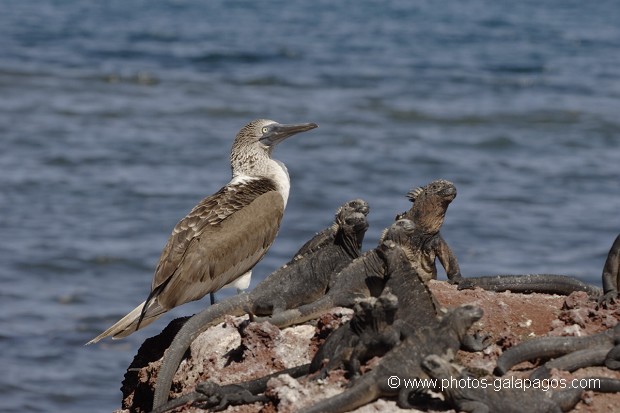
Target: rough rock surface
[[236, 350]]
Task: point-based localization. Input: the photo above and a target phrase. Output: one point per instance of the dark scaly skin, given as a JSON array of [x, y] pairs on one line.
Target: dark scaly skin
[[368, 334], [612, 359], [306, 279], [299, 282], [373, 334], [530, 283], [477, 399], [417, 307], [430, 204], [362, 278], [553, 347], [349, 285], [576, 360], [403, 361], [611, 274]]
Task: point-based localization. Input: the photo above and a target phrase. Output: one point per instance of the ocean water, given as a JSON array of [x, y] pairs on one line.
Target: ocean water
[[117, 117]]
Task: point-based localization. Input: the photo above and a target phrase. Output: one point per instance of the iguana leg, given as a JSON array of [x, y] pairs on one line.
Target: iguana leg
[[611, 274], [608, 298], [612, 360], [476, 342]]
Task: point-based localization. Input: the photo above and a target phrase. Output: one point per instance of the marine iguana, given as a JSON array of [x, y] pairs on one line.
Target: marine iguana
[[362, 277], [404, 361], [611, 274], [369, 333], [417, 306], [218, 397], [487, 398], [302, 281], [530, 283], [430, 204], [552, 347]]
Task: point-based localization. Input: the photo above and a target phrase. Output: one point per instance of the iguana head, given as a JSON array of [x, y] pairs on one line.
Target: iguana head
[[352, 227], [348, 208], [462, 318], [373, 310], [358, 205], [430, 204], [438, 367], [399, 232], [469, 313]]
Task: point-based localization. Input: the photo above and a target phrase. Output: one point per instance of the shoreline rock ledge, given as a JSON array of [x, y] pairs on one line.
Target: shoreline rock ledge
[[236, 350]]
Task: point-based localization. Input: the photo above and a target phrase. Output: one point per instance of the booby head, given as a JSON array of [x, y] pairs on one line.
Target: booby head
[[273, 133], [257, 139]]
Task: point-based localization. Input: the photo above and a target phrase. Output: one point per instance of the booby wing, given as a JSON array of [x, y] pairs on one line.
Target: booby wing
[[223, 237]]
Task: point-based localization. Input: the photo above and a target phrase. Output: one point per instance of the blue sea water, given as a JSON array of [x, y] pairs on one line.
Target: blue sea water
[[117, 117]]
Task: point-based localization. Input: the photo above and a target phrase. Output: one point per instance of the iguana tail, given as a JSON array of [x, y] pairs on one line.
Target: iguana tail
[[553, 347], [568, 398], [365, 390], [301, 314], [187, 334], [531, 283]]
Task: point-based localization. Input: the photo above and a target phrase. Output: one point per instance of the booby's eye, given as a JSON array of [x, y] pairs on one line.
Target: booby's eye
[[264, 129]]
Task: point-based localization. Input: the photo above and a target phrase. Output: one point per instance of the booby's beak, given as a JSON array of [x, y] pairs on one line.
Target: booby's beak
[[277, 132]]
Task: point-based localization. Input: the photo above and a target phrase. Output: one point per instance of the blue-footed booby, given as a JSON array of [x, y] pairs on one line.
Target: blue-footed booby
[[226, 234]]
